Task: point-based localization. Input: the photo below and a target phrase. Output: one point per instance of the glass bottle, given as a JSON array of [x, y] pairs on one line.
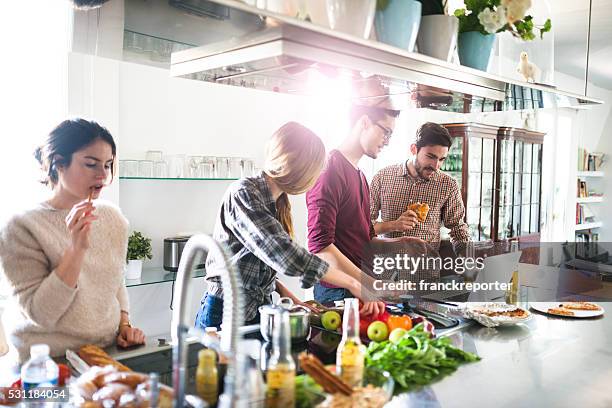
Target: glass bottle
[[207, 381], [351, 353], [512, 294], [280, 392]]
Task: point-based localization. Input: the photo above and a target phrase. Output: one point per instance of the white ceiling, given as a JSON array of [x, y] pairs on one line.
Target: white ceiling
[[570, 23]]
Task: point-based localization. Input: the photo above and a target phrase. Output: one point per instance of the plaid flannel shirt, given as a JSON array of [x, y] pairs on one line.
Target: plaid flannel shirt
[[393, 188], [258, 246]]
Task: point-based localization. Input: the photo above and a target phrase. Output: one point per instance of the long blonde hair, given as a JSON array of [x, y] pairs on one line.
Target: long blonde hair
[[295, 157]]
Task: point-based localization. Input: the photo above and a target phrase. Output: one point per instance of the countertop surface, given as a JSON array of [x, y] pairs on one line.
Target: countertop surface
[[546, 362]]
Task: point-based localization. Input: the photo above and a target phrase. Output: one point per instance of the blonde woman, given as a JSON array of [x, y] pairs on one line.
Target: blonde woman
[[254, 223]]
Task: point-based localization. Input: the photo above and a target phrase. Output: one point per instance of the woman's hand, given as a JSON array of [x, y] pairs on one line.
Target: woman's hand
[[130, 336], [79, 221]]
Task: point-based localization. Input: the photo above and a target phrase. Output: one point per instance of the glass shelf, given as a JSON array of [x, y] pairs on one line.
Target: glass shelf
[[152, 276], [175, 178], [154, 50]]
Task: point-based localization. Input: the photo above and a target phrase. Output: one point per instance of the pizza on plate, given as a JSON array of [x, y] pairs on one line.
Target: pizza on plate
[[580, 306]]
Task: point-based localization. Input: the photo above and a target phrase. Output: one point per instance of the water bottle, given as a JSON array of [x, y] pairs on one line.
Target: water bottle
[[40, 370]]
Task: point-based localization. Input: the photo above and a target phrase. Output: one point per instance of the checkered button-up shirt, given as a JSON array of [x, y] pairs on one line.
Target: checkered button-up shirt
[[393, 189], [259, 247]]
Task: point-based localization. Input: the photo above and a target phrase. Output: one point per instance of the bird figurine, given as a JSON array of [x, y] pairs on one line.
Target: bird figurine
[[527, 69]]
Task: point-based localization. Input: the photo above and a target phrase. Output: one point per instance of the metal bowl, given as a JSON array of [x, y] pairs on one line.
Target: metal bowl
[[299, 320]]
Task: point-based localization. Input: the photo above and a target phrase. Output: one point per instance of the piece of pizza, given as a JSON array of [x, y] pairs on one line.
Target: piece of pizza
[[560, 311], [580, 306], [421, 210]]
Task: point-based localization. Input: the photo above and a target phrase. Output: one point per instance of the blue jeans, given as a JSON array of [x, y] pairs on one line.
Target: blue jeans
[[329, 295], [211, 313]]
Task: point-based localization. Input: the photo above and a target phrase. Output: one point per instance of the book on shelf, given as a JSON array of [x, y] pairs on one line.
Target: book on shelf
[[586, 244], [582, 189], [589, 161], [583, 214]]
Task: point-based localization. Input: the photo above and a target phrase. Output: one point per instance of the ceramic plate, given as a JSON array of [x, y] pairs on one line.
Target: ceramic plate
[[544, 307]]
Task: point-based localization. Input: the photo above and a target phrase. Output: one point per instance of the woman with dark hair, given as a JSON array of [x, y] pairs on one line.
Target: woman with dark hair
[[64, 258]]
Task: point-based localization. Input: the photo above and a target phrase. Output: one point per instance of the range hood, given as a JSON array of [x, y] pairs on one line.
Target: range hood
[[284, 53]]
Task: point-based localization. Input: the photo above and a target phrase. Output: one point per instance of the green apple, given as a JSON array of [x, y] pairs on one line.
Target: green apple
[[331, 320], [396, 334], [378, 331]]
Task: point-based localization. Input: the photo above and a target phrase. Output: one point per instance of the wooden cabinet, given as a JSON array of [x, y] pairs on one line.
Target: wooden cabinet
[[499, 170]]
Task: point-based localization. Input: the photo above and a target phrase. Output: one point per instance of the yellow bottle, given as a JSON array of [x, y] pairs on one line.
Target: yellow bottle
[[350, 356], [512, 294], [280, 392], [207, 381]]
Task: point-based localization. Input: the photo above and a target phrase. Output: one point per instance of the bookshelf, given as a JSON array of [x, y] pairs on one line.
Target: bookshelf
[[589, 173]]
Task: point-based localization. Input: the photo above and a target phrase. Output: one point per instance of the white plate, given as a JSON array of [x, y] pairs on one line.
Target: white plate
[[471, 311], [544, 306]]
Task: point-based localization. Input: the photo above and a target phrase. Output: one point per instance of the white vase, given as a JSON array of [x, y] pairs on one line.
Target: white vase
[[133, 269], [438, 36], [354, 17]]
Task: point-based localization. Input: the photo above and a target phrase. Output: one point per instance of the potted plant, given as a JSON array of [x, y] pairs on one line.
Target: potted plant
[[480, 20], [438, 31], [139, 249], [397, 22]]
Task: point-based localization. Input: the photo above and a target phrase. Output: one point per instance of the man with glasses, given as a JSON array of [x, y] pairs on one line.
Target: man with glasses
[[395, 187], [339, 225]]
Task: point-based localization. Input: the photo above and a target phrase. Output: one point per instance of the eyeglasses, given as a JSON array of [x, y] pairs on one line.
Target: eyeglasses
[[387, 133]]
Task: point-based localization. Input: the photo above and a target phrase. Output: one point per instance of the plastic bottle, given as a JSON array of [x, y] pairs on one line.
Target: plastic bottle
[[207, 381], [40, 370]]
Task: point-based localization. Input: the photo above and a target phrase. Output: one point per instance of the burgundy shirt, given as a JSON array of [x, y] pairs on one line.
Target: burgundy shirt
[[339, 210]]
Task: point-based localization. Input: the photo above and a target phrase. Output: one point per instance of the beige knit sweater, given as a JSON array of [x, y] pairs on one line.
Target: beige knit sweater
[[42, 308]]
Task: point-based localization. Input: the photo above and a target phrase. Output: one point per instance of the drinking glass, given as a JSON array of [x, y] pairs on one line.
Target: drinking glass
[[145, 168], [176, 166], [222, 168], [161, 169], [246, 168], [206, 170], [193, 164], [235, 167], [128, 168], [154, 155]]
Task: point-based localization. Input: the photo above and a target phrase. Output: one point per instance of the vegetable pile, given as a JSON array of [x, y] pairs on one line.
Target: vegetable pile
[[416, 359]]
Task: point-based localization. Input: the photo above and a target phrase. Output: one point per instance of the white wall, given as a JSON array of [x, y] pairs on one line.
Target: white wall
[[592, 129], [145, 109]]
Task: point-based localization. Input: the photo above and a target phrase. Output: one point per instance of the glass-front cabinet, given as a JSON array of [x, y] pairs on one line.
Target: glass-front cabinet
[[499, 173]]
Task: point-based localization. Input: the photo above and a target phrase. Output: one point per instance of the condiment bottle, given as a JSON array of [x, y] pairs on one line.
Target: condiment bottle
[[281, 367], [207, 381], [351, 353]]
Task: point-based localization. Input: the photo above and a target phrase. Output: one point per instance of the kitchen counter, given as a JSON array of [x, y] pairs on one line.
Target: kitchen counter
[[547, 362]]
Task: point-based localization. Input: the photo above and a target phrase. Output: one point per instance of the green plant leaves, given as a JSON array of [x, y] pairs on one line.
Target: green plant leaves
[[139, 247], [416, 359]]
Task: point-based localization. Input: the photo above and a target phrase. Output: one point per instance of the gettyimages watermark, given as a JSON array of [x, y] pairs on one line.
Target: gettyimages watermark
[[536, 271]]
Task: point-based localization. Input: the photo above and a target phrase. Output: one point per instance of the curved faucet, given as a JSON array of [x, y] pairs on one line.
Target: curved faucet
[[232, 318]]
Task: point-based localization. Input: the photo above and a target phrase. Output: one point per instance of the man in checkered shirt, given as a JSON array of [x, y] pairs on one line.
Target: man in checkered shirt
[[420, 180]]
